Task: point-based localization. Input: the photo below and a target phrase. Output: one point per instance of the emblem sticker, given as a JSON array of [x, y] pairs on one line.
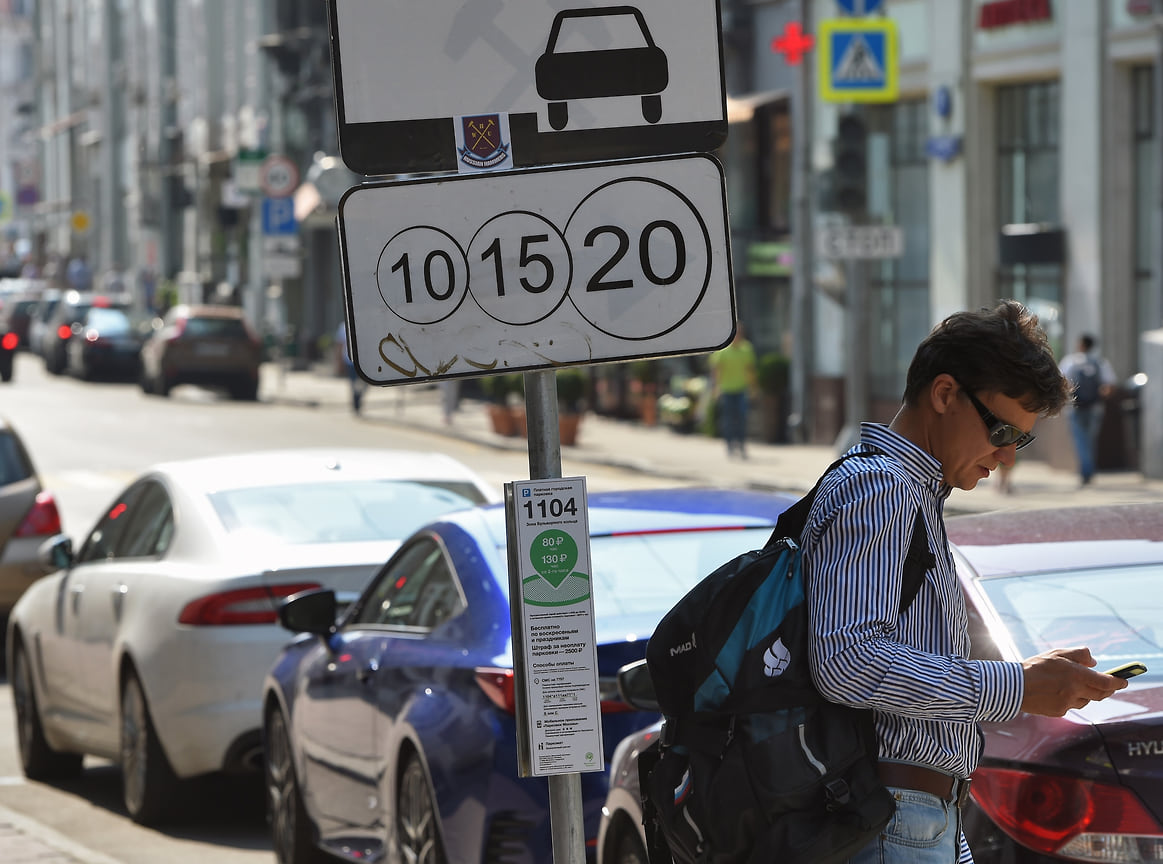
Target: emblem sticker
[[483, 143]]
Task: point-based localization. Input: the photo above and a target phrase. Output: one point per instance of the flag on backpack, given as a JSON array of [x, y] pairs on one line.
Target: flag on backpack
[[753, 766]]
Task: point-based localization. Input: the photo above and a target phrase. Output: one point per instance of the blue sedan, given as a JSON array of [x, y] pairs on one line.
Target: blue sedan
[[392, 733]]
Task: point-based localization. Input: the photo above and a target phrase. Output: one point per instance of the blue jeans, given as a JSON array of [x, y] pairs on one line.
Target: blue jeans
[[1085, 421], [733, 419], [924, 830]]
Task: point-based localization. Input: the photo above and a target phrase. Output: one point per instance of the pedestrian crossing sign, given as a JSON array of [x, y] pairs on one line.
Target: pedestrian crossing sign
[[858, 60]]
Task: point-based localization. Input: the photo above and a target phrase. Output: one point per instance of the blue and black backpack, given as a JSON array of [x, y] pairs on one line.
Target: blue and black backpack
[[753, 765]]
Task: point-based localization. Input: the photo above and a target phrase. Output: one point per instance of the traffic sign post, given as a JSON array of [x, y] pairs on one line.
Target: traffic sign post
[[278, 176], [858, 60], [464, 276], [569, 84]]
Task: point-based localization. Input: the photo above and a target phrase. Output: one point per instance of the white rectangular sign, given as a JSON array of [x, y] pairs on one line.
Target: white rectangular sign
[[554, 591], [572, 82], [860, 241], [470, 275]]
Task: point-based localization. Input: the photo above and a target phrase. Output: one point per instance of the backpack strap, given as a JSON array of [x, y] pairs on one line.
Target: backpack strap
[[919, 559]]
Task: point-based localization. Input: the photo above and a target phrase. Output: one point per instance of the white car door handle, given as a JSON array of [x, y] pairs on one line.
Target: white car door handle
[[75, 591], [119, 593]]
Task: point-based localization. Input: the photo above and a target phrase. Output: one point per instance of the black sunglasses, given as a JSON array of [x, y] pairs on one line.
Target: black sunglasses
[[1001, 434]]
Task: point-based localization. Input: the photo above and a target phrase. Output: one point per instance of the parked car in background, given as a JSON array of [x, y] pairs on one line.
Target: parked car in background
[[107, 343], [18, 300], [150, 645], [391, 734], [28, 515], [9, 342], [1084, 787], [213, 346], [64, 325], [38, 322]]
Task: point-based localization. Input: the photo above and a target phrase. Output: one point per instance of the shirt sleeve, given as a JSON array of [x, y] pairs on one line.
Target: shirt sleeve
[[853, 555]]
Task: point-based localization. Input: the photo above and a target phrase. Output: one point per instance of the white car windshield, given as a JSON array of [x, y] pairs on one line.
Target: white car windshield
[[349, 512]]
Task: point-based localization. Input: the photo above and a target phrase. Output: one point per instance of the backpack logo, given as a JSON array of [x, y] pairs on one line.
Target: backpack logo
[[684, 647], [775, 659]]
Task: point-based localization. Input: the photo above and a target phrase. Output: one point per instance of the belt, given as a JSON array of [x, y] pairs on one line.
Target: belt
[[905, 776]]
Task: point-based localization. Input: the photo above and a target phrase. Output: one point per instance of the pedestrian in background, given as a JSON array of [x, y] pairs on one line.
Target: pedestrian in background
[[733, 375], [357, 384], [1093, 379]]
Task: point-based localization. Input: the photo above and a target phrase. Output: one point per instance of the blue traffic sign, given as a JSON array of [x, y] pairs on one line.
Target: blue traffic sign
[[857, 60], [858, 7], [278, 217]]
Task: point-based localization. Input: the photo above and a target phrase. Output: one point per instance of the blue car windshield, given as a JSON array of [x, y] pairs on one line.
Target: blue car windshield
[[1115, 611], [348, 512], [646, 573]]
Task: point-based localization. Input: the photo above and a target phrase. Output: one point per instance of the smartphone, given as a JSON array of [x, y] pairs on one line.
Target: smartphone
[[1128, 670]]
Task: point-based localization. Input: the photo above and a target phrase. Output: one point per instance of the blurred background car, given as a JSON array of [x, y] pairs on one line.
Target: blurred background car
[[8, 345], [38, 322], [108, 343], [64, 324], [213, 346], [150, 645], [28, 515], [1084, 787], [18, 300], [392, 734]]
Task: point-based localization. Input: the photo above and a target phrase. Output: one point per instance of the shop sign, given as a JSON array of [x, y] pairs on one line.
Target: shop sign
[[1003, 13]]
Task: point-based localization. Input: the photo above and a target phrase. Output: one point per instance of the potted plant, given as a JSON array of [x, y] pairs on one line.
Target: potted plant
[[680, 408], [772, 371], [572, 391], [497, 389], [645, 390]]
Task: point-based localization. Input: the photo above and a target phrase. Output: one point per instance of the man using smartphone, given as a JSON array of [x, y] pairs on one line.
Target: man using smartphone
[[974, 390]]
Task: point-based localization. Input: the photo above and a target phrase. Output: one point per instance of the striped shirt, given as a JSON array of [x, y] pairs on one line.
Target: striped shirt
[[912, 670]]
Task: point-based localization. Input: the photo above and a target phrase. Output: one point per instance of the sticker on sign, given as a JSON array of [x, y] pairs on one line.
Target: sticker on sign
[[469, 275]]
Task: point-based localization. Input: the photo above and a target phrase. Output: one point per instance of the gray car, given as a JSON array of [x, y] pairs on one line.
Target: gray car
[[28, 515]]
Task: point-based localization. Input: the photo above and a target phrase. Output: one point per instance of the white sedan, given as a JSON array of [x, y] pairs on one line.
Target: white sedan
[[149, 645]]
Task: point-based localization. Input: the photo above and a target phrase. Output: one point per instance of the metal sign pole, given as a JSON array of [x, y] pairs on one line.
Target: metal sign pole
[[565, 793]]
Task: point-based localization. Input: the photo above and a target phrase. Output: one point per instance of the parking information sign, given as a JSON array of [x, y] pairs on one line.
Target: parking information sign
[[553, 607], [523, 270], [474, 85]]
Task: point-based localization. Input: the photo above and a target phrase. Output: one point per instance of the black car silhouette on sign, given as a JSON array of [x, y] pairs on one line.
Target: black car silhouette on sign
[[637, 70]]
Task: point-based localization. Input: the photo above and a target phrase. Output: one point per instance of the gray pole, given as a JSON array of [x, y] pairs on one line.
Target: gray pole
[[803, 267], [169, 157], [565, 795], [114, 243], [1155, 312]]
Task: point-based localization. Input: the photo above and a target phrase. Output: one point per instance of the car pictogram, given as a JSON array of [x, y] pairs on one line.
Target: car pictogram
[[638, 68]]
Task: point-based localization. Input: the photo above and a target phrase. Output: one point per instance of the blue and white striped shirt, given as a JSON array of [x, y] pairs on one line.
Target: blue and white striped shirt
[[927, 696]]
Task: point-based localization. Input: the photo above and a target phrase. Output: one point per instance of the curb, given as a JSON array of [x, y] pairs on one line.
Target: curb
[[23, 839]]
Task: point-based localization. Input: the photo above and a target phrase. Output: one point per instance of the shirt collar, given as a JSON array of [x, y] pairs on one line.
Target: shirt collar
[[918, 464]]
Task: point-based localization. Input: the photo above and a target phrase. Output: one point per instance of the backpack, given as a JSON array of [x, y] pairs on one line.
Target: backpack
[[753, 765], [1086, 380]]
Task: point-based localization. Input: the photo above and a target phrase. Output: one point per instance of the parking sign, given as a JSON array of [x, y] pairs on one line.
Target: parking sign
[[278, 216]]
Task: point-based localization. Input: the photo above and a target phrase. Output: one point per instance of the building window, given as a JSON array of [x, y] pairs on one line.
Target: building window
[[1150, 307], [898, 194], [1027, 158]]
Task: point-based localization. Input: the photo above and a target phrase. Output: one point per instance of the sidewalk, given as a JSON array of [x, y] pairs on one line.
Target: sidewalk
[[689, 459], [25, 841]]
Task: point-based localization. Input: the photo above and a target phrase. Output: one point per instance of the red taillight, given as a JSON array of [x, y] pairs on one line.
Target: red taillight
[[64, 332], [10, 341], [1049, 813], [178, 329], [43, 520], [497, 684], [257, 605]]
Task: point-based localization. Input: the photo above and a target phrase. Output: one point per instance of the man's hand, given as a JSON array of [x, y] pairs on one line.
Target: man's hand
[[1064, 678]]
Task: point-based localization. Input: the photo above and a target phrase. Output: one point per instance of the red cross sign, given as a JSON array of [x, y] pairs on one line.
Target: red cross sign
[[793, 44]]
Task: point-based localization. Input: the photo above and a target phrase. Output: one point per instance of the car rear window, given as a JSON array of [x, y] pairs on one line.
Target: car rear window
[[334, 512], [14, 463], [646, 573], [1114, 611], [215, 328], [110, 322]]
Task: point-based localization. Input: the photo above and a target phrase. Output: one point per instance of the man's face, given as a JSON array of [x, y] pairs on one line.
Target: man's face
[[969, 455]]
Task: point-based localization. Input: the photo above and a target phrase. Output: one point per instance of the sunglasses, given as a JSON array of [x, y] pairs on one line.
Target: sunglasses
[[1001, 434]]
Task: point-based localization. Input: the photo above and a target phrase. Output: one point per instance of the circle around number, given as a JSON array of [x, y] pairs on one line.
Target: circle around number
[[422, 274], [519, 267], [646, 275]]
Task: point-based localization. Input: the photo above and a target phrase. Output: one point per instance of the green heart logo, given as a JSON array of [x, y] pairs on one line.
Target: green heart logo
[[553, 555]]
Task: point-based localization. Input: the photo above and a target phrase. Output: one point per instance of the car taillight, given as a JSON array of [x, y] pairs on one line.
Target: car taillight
[[256, 605], [43, 520], [65, 331], [1069, 817], [10, 341], [498, 685]]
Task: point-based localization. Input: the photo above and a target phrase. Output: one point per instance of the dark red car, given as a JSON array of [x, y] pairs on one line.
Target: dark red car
[[1084, 787]]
